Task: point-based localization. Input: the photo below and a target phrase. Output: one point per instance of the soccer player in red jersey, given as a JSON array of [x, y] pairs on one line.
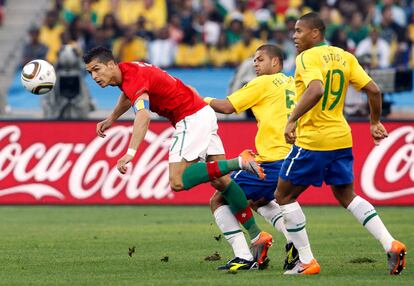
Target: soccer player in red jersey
[[146, 87]]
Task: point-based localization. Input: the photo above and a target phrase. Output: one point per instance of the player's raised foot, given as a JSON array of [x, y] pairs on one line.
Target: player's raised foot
[[396, 257], [238, 263], [300, 268], [292, 256], [259, 247], [249, 164]]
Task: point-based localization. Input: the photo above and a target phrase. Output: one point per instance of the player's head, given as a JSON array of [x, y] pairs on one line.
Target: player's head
[[309, 31], [101, 65], [268, 59]]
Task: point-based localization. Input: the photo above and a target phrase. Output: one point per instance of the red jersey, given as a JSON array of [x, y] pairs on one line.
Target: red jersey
[[168, 96]]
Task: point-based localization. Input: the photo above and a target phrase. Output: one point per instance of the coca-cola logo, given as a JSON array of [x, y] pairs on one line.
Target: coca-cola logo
[[399, 165], [87, 175]]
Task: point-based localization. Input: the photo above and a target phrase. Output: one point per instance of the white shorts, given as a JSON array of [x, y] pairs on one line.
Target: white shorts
[[195, 137]]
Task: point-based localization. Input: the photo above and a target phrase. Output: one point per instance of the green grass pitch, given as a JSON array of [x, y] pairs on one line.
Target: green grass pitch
[[89, 246]]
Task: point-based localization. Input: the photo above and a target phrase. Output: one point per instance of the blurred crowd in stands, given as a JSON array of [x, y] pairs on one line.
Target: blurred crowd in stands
[[194, 33], [2, 3]]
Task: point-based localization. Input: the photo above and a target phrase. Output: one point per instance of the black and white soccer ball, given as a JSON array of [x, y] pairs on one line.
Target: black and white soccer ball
[[38, 76]]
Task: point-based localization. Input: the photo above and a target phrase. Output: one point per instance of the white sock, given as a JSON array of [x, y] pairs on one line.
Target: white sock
[[273, 215], [295, 223], [231, 230], [366, 214]]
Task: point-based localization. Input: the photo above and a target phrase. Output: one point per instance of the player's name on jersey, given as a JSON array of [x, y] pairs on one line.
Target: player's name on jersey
[[333, 57]]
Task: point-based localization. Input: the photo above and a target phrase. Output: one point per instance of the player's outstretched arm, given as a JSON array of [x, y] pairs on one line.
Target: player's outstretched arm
[[121, 107], [220, 105], [309, 99], [140, 128], [378, 131]]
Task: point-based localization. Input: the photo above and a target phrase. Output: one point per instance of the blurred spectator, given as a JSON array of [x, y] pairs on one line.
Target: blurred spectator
[[130, 47], [127, 11], [34, 49], [191, 53], [50, 35], [100, 39], [397, 13], [373, 51], [326, 16], [155, 12], [111, 28], [356, 30], [220, 54], [2, 4], [82, 33], [234, 31], [410, 28], [401, 58], [241, 13], [280, 38], [389, 29], [244, 48], [161, 51], [186, 16], [100, 8], [142, 31], [175, 30], [340, 39], [290, 22], [209, 30]]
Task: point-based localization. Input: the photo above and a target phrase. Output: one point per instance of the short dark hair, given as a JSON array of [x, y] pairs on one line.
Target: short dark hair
[[273, 51], [314, 21], [101, 54]]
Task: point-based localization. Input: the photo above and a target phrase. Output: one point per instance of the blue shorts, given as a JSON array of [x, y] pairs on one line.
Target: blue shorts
[[253, 187], [304, 167]]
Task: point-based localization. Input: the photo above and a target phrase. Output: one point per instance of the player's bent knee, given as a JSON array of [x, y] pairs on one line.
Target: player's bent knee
[[216, 201], [220, 183], [282, 198]]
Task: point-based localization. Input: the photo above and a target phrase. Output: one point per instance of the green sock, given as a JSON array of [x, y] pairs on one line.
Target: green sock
[[200, 172], [238, 204]]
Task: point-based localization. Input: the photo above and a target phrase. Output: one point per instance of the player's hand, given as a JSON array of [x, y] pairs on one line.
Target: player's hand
[[378, 132], [121, 165], [102, 126], [290, 132]]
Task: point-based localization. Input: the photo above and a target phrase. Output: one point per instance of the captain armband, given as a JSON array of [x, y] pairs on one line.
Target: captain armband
[[208, 100], [140, 104]]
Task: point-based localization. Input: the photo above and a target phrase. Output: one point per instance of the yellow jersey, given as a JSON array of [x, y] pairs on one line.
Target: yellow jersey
[[271, 98], [324, 127]]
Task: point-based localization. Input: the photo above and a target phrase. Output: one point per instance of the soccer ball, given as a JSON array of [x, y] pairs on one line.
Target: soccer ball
[[38, 76]]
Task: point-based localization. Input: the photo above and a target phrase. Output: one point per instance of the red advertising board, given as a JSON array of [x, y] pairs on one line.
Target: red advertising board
[[43, 162]]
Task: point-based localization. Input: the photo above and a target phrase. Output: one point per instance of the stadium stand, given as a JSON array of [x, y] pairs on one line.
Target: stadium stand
[[200, 34]]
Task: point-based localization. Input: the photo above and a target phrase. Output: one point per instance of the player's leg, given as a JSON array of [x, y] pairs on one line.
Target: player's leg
[[261, 194], [272, 213], [236, 199], [366, 214], [295, 223], [340, 175], [230, 227], [300, 169], [193, 137]]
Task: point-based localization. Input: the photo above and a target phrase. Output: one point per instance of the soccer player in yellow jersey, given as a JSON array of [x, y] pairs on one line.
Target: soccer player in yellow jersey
[[271, 96], [322, 149]]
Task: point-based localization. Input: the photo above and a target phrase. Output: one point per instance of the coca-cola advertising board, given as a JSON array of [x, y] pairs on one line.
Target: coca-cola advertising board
[[50, 162]]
